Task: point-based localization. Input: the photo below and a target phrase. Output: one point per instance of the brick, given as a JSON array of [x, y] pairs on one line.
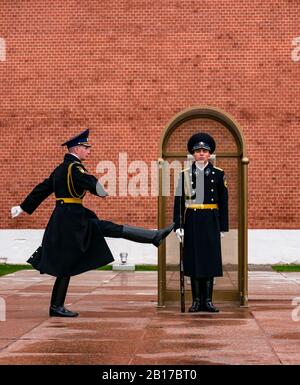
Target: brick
[[124, 69]]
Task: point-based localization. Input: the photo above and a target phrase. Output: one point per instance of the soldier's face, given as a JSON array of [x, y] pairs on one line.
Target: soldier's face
[[83, 152], [201, 155]]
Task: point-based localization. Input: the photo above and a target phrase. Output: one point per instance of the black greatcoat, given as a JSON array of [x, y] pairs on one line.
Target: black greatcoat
[[73, 241], [202, 244]]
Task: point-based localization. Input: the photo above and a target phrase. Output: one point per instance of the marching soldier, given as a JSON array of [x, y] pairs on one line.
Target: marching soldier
[[202, 201], [74, 240]]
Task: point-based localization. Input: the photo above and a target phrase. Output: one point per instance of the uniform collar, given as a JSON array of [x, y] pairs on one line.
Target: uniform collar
[[194, 166], [203, 168], [71, 158]]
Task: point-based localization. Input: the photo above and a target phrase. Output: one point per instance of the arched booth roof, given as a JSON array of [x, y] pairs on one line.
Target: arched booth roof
[[204, 112]]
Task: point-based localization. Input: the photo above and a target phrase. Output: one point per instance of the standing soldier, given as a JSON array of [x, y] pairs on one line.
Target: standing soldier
[[202, 202], [74, 241]]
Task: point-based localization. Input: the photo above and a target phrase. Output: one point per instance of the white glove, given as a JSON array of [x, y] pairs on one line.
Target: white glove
[[222, 235], [180, 234], [15, 211]]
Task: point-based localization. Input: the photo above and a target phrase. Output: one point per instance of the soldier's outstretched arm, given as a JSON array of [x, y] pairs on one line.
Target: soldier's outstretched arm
[[88, 182], [37, 196]]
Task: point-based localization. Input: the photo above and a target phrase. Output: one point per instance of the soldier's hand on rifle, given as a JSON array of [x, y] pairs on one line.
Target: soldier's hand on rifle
[[15, 211], [180, 234]]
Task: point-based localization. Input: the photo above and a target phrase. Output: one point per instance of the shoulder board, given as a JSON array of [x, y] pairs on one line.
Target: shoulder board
[[80, 167], [218, 168]]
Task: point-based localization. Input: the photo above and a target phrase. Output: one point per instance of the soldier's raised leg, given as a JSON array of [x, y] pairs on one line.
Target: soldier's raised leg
[[133, 233]]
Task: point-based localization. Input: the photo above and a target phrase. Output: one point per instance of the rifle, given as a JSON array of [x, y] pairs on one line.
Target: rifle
[[181, 245]]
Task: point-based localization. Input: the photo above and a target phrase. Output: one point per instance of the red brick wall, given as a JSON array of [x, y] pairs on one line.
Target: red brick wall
[[124, 69]]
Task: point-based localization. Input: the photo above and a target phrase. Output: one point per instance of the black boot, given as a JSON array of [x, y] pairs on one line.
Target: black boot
[[208, 284], [58, 297], [141, 235], [197, 296]]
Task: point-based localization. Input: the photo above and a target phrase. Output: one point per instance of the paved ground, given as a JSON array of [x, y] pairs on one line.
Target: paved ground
[[120, 324]]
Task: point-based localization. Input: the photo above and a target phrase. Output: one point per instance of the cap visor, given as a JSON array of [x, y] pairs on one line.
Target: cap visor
[[203, 147]]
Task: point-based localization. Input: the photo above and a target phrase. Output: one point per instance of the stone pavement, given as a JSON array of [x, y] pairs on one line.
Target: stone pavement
[[119, 323]]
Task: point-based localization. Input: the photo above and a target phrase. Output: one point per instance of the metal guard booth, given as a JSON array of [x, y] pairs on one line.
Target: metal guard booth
[[231, 156]]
